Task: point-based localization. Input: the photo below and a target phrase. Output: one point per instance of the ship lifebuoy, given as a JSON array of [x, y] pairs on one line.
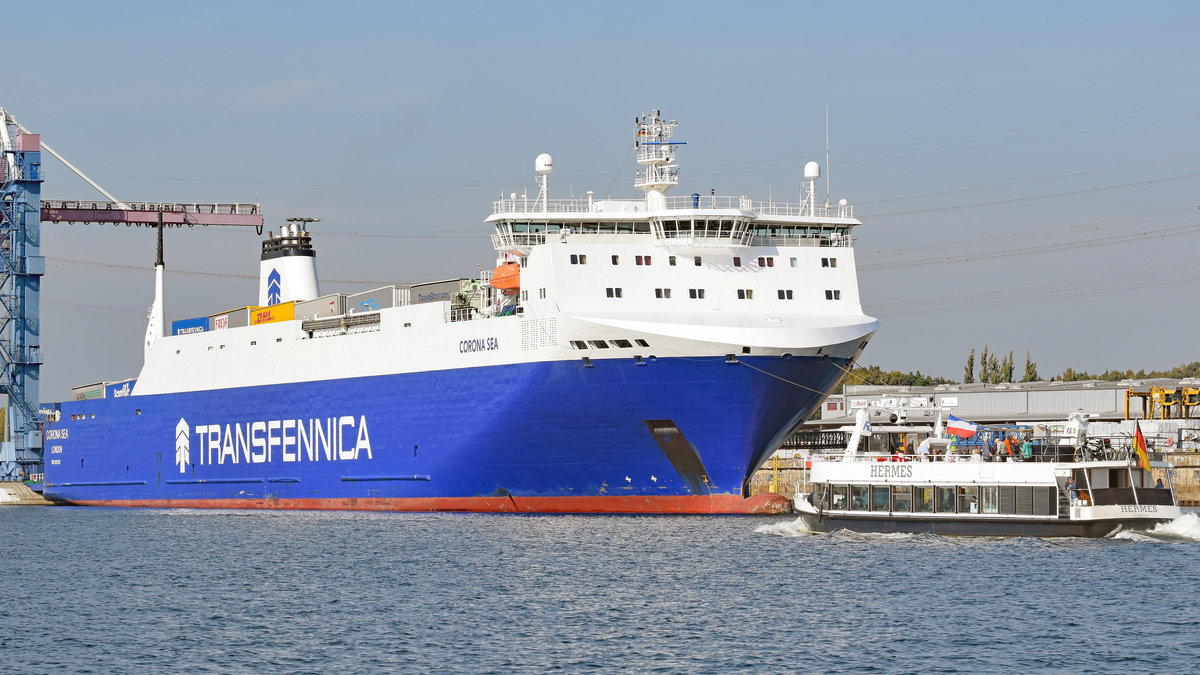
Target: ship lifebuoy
[[1170, 441]]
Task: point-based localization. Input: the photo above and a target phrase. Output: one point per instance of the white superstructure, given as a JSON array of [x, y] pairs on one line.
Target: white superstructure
[[655, 277]]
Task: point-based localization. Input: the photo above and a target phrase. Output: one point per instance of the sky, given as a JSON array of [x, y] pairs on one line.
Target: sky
[[1026, 173]]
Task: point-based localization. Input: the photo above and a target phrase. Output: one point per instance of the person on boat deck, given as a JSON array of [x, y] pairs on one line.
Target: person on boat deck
[[1008, 446], [1027, 450], [1159, 484], [1071, 488], [1000, 447], [986, 451], [923, 450], [897, 455]]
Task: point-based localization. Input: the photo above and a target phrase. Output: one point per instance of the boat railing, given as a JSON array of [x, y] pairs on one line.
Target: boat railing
[[526, 204]]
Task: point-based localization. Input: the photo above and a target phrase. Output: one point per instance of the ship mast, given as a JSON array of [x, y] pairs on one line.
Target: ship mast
[[656, 153]]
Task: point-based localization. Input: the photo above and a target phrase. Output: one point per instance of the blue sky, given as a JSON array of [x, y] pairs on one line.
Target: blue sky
[[988, 149]]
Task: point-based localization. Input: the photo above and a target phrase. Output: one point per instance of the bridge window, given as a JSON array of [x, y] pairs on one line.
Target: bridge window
[[615, 259], [641, 343], [835, 294], [828, 262], [623, 344], [745, 294], [613, 292], [785, 294], [696, 293], [598, 344], [578, 344], [662, 293]]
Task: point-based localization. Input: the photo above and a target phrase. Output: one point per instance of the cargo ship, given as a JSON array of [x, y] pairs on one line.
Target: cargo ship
[[636, 355]]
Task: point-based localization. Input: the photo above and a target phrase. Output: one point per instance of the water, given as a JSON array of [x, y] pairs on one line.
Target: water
[[116, 591]]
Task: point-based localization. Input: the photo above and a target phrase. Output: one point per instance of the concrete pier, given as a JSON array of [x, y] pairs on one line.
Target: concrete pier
[[19, 494]]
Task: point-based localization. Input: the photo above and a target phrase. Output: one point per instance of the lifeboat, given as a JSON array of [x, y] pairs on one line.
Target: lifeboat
[[507, 278]]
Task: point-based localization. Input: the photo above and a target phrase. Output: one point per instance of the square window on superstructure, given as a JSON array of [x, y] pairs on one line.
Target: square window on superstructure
[[598, 344], [574, 259], [582, 259], [641, 343], [578, 344], [828, 295], [647, 260], [833, 262], [609, 292], [658, 293], [749, 294], [793, 261], [618, 290], [671, 260], [615, 259], [781, 295], [837, 295], [667, 293], [824, 262], [762, 262], [770, 262], [524, 261], [692, 293], [697, 261], [700, 293], [741, 294], [623, 344], [789, 294], [637, 260], [737, 262]]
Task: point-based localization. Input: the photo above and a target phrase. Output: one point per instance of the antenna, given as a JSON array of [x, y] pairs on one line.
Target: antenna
[[827, 153]]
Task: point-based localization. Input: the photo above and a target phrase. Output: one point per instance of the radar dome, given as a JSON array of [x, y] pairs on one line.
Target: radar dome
[[544, 164], [812, 171]]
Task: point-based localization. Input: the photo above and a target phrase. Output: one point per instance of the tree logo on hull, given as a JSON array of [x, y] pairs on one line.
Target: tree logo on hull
[[182, 445]]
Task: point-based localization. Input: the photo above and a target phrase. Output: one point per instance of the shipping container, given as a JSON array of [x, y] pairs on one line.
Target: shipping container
[[88, 392], [371, 301], [326, 305], [119, 389], [284, 311], [187, 326], [234, 318], [434, 291]]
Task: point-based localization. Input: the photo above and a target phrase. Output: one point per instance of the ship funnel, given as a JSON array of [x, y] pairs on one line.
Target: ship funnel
[[288, 268]]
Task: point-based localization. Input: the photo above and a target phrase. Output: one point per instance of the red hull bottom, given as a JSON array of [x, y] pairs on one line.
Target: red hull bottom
[[761, 504]]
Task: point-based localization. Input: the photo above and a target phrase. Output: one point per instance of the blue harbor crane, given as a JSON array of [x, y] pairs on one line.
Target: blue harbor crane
[[22, 266]]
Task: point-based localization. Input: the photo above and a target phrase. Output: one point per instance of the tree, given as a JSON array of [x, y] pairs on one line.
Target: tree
[[994, 370], [984, 364], [969, 371], [1007, 368], [1031, 374]]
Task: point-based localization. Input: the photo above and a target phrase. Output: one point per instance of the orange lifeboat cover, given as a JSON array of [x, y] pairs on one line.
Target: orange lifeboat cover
[[507, 278]]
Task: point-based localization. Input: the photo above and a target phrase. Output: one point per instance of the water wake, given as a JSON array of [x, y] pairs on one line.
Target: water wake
[[1183, 528], [786, 529]]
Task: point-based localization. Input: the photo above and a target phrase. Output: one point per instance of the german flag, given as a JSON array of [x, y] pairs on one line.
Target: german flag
[[1139, 447]]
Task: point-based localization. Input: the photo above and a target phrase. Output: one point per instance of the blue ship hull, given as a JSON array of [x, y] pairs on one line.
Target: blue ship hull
[[673, 435]]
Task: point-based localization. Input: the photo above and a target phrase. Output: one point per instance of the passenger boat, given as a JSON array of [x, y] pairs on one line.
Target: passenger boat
[[635, 355], [1064, 489]]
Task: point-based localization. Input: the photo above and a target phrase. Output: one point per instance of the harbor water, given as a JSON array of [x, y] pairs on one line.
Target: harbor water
[[129, 591]]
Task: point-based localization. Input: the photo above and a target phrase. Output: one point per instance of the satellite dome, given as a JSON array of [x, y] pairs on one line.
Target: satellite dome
[[812, 171], [544, 164]]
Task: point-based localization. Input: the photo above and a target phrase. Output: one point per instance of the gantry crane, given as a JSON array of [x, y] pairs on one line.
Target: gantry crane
[[22, 266]]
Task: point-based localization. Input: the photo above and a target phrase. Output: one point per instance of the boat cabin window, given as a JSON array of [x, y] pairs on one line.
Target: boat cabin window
[[901, 498], [1008, 499], [697, 261], [858, 497], [923, 499], [881, 498], [840, 497], [945, 499], [989, 499], [968, 500], [671, 260]]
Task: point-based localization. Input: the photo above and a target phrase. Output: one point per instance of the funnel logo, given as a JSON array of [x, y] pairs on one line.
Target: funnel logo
[[273, 283], [182, 445]]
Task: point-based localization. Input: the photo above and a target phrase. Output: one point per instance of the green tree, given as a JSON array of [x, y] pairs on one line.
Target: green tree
[[984, 373], [969, 371], [1031, 374], [1007, 368]]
